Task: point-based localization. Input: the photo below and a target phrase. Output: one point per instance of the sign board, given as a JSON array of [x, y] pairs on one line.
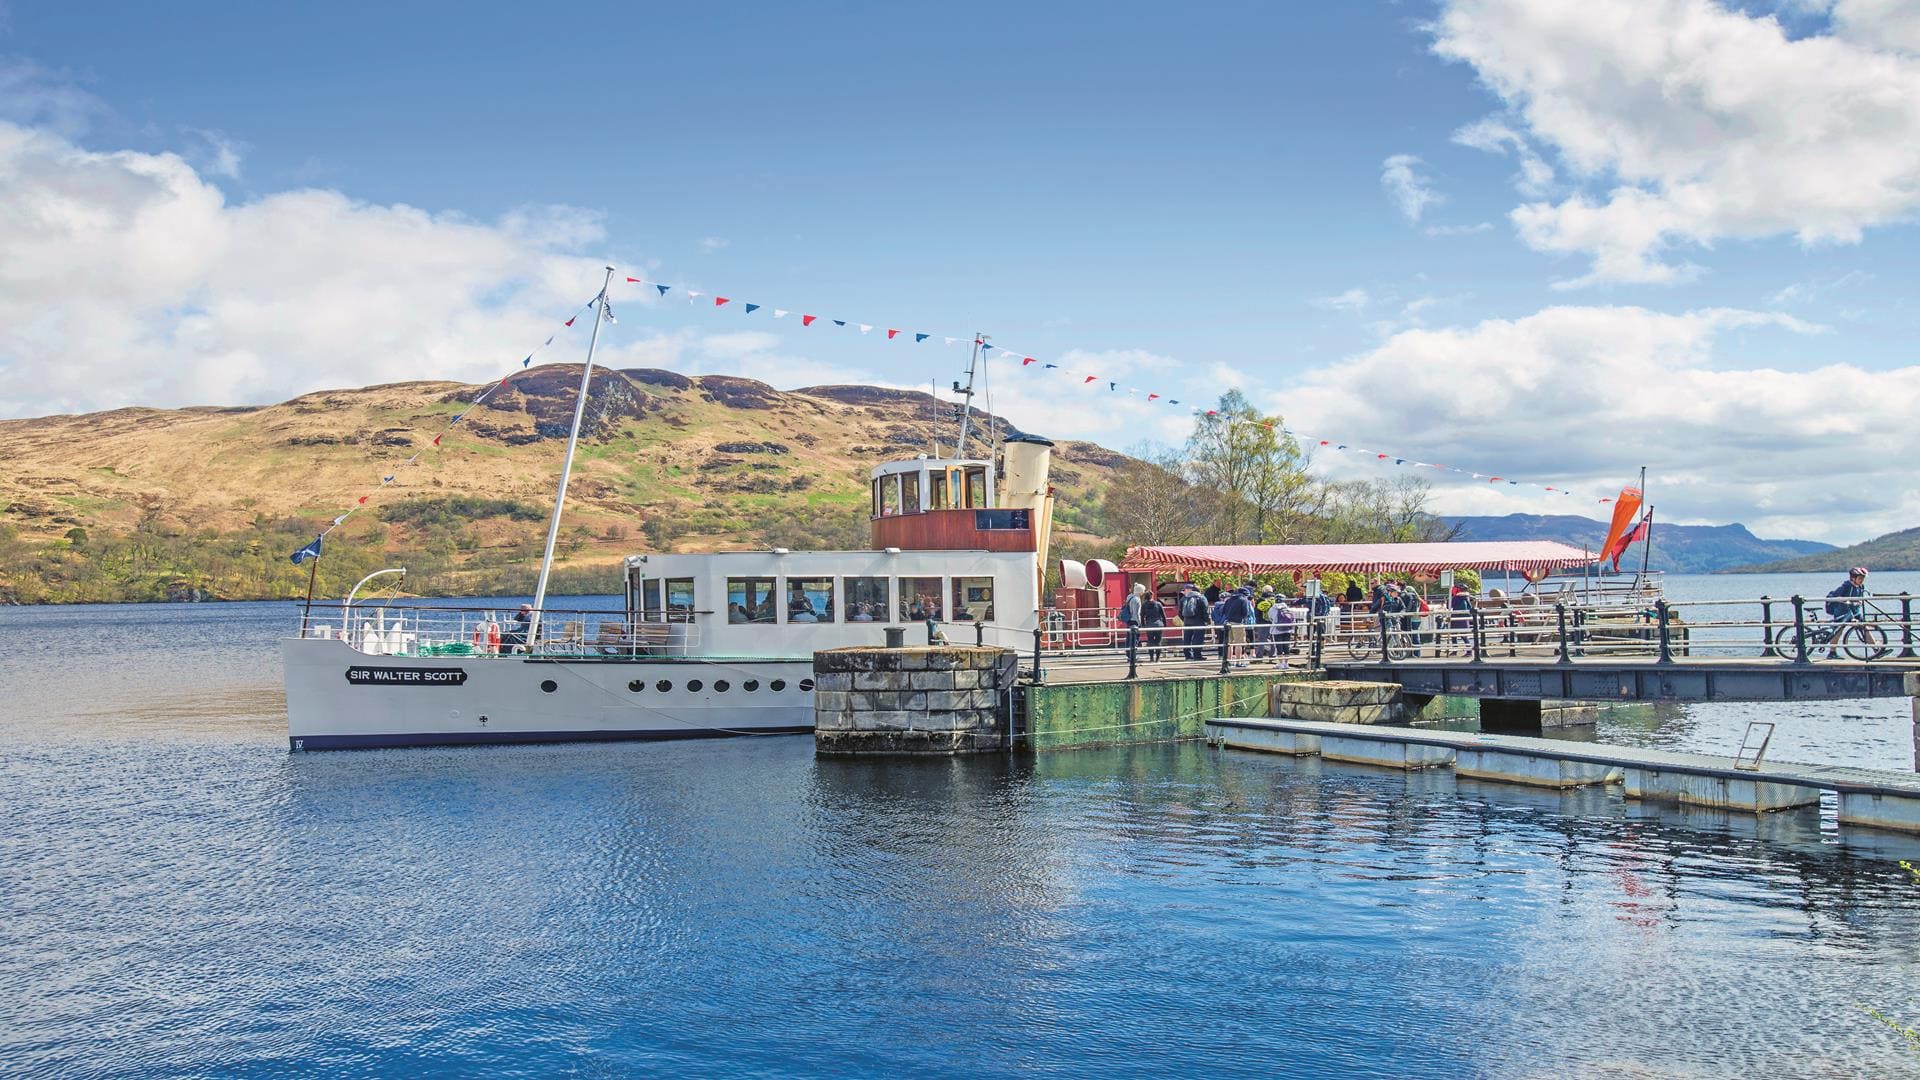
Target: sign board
[[406, 676]]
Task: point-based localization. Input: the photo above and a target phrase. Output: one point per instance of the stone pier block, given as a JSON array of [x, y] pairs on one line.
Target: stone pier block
[[1390, 753], [1726, 793], [1272, 742], [1336, 701], [1880, 811], [1533, 770], [941, 700]]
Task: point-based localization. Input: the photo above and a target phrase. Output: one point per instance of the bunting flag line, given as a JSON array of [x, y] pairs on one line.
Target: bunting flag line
[[1114, 386], [312, 551]]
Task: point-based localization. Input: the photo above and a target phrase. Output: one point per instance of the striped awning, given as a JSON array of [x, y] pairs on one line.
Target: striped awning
[[1514, 555]]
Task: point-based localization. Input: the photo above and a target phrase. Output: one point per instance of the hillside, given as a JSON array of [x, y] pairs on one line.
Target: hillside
[[1894, 551], [152, 503], [1690, 549]]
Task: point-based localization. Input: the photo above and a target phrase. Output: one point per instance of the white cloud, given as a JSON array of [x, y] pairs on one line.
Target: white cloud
[[1805, 292], [1353, 301], [31, 94], [712, 244], [1458, 230], [1583, 396], [221, 154], [1691, 123], [129, 279], [1495, 137], [1410, 191]]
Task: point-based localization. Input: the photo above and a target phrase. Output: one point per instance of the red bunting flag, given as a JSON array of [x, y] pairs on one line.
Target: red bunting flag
[[1027, 360], [363, 500], [635, 281], [1150, 397], [718, 300], [1493, 479], [1088, 379], [807, 320], [1382, 457], [891, 333], [1326, 442], [436, 440], [570, 321]]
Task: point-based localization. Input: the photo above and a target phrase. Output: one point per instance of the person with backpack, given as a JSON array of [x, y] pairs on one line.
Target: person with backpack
[[1194, 617], [1263, 623], [1280, 630], [1236, 612], [1856, 585]]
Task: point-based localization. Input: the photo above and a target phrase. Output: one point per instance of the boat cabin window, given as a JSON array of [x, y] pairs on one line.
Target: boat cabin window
[[650, 609], [937, 491], [886, 494], [973, 599], [866, 599], [809, 600], [679, 599], [910, 493], [750, 600], [977, 489], [920, 599]]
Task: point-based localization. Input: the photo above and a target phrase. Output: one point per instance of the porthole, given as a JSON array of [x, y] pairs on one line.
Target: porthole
[[750, 685], [693, 686], [636, 686], [777, 685], [719, 686], [663, 686], [549, 686], [806, 686]]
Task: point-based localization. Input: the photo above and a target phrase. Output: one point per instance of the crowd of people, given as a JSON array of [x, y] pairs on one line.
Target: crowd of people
[[1255, 623]]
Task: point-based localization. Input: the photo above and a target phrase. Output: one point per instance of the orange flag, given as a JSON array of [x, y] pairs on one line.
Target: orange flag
[[1624, 510]]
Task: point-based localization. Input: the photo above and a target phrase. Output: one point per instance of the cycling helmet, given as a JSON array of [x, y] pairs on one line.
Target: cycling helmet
[[1858, 571]]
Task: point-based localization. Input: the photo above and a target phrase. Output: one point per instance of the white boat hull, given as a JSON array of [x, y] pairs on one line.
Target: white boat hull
[[341, 698]]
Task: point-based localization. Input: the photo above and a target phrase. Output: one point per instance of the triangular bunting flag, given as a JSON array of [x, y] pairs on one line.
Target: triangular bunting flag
[[362, 501], [1150, 397], [1087, 380], [952, 340], [719, 300], [663, 289], [807, 320], [1025, 361], [751, 308], [694, 294], [388, 479], [866, 328], [1173, 401], [918, 338], [985, 346], [839, 322], [891, 334], [1050, 365], [570, 321], [436, 440], [779, 313], [1113, 386], [635, 281]]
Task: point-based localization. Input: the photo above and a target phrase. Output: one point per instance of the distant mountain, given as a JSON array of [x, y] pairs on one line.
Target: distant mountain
[[1688, 549], [1894, 551]]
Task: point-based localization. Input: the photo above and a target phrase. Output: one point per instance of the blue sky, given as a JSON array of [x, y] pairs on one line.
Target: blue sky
[[1186, 200]]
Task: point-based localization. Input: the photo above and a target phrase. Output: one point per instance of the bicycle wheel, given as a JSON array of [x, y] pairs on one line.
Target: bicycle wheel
[[1863, 641], [1360, 646], [1786, 641]]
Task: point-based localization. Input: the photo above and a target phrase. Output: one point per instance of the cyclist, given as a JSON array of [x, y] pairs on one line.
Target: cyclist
[[1855, 585]]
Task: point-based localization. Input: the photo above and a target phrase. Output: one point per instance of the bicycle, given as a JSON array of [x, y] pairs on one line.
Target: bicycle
[[1857, 639], [1402, 644]]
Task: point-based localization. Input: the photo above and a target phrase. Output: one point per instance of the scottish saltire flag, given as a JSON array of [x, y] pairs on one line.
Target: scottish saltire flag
[[311, 551]]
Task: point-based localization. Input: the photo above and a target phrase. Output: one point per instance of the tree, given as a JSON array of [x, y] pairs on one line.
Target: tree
[[1151, 503], [1252, 463]]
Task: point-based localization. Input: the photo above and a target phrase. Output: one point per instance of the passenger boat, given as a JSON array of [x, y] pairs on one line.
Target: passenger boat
[[706, 645]]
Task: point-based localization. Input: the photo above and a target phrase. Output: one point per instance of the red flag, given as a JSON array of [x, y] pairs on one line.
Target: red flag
[[436, 440], [570, 321], [718, 300], [1025, 361], [1493, 479], [1150, 397], [891, 333], [1087, 380], [1638, 534], [634, 281], [807, 320], [363, 500], [1382, 457]]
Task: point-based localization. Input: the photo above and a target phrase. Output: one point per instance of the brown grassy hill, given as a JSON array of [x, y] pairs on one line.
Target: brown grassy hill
[[666, 462]]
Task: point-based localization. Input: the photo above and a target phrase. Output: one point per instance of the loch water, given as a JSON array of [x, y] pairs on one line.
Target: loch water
[[181, 896]]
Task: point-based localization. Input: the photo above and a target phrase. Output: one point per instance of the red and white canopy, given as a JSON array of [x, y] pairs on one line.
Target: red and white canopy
[[1515, 555]]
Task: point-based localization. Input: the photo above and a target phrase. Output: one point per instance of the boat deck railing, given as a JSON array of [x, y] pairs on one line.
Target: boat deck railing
[[408, 629]]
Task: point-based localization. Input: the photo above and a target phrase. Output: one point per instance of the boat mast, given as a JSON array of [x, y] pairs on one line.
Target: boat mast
[[966, 396], [566, 467]]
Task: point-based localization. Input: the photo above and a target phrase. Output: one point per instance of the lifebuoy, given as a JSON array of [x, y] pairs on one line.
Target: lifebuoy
[[493, 637]]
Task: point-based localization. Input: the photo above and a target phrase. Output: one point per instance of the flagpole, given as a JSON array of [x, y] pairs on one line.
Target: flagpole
[[566, 469], [1645, 554], [1646, 550], [307, 614]]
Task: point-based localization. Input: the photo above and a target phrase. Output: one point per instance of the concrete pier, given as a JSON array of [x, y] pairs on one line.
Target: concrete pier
[[947, 700], [1871, 798], [1336, 701]]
